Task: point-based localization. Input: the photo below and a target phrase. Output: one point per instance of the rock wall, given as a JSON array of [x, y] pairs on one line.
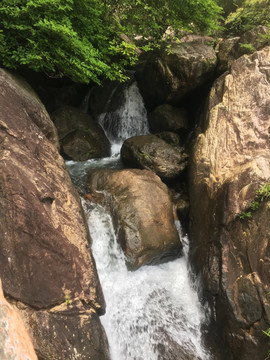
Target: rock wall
[[230, 159], [15, 342], [167, 77], [46, 265]]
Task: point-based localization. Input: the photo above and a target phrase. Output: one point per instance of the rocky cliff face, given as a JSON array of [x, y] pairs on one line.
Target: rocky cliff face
[[45, 263], [230, 159]]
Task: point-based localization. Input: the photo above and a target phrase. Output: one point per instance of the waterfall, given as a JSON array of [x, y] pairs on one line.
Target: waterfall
[[152, 313], [130, 119]]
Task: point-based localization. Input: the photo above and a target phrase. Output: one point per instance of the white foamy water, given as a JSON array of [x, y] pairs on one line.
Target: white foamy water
[[128, 120], [151, 311]]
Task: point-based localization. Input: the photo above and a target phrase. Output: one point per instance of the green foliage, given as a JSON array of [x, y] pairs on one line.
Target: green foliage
[[267, 333], [67, 300], [254, 205], [152, 17], [250, 14], [229, 6], [261, 194], [90, 39], [248, 48], [264, 191], [55, 36]]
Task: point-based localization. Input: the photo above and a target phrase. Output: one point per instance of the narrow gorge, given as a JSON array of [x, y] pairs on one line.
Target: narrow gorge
[[129, 229]]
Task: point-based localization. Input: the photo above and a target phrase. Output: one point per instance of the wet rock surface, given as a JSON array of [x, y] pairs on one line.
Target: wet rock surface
[[44, 238], [152, 153], [230, 161], [81, 138], [143, 213]]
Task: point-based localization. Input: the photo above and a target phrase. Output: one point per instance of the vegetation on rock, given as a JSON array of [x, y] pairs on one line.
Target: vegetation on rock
[[262, 193], [250, 14]]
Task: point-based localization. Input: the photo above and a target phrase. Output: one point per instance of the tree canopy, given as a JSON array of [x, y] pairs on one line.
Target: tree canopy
[[248, 15], [82, 39]]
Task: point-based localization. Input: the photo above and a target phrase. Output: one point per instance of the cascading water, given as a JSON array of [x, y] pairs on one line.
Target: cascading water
[[127, 121], [152, 313], [130, 119]]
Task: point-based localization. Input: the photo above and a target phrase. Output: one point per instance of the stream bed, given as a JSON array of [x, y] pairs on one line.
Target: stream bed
[[152, 313]]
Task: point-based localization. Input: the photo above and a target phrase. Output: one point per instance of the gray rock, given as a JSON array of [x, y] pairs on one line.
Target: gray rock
[[166, 78], [152, 153]]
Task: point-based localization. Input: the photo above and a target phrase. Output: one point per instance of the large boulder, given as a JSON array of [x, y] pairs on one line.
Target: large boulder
[[81, 138], [142, 212], [230, 159], [167, 77], [45, 259], [15, 342], [152, 153]]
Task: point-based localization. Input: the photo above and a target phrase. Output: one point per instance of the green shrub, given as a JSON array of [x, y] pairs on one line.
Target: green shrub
[[250, 14], [262, 193]]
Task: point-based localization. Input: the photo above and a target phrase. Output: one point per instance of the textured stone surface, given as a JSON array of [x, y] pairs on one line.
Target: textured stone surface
[[142, 212], [152, 153], [231, 49], [15, 342], [168, 78], [67, 331], [81, 138], [167, 117], [231, 157], [44, 239]]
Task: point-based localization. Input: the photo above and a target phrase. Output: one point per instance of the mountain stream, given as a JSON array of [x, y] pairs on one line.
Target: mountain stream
[[153, 313]]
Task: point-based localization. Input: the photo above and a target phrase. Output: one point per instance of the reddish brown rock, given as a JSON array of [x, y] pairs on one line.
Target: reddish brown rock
[[15, 342], [231, 158], [44, 239], [142, 212]]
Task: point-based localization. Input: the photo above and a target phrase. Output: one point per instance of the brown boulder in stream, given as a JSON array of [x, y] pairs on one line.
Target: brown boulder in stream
[[81, 138], [45, 260], [143, 213], [230, 160]]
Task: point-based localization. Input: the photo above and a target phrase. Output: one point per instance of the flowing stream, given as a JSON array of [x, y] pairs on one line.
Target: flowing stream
[[153, 313]]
